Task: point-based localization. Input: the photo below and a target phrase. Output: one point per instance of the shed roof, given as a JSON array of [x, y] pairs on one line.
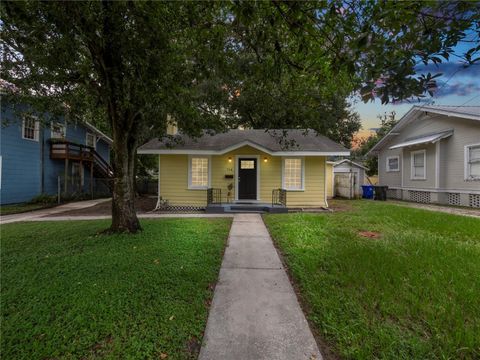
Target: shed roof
[[352, 163]]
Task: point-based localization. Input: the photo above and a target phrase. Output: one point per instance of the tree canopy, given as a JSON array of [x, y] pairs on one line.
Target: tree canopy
[[218, 65]]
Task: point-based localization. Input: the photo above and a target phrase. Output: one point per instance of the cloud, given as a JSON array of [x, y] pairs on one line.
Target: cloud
[[459, 89], [449, 68]]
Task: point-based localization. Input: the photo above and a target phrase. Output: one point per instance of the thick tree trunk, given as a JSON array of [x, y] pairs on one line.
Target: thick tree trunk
[[124, 217]]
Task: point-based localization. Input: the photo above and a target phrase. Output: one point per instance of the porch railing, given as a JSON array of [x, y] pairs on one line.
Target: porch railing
[[214, 196], [279, 197]]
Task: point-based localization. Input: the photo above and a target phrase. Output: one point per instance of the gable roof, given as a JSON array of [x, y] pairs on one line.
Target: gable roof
[[350, 162], [465, 112], [305, 143]]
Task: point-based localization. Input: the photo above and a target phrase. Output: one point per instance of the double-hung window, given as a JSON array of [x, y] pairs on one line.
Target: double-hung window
[[199, 169], [59, 131], [30, 128], [472, 162], [418, 167], [393, 163], [91, 140], [293, 174]]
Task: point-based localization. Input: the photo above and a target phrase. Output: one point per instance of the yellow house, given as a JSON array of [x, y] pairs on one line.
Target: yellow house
[[253, 169]]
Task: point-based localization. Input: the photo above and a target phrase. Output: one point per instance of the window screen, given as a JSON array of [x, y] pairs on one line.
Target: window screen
[[418, 165], [199, 172], [393, 164], [58, 131], [293, 174], [90, 140], [30, 128], [474, 161]]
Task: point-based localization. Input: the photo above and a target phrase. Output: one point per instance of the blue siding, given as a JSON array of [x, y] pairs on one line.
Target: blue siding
[[21, 178], [20, 162]]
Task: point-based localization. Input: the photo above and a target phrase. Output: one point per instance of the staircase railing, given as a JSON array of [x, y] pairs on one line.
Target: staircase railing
[[279, 197], [102, 164], [63, 149], [214, 196]]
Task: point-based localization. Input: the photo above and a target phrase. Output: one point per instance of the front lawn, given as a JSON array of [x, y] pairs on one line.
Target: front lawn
[[70, 293], [388, 282]]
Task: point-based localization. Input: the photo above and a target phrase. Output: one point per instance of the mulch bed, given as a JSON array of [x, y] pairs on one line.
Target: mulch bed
[[143, 204]]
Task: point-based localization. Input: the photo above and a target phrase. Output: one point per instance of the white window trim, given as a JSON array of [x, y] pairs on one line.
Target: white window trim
[[388, 163], [36, 131], [303, 173], [236, 175], [94, 139], [64, 131], [412, 154], [190, 186], [466, 157]]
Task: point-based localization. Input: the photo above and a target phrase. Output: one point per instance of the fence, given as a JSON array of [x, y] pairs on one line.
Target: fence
[[77, 188], [147, 186]]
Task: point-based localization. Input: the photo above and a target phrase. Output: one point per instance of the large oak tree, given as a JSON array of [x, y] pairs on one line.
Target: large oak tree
[[217, 65]]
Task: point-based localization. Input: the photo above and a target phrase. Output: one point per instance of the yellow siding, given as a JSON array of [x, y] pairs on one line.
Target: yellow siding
[[329, 180], [174, 182], [314, 194], [174, 179]]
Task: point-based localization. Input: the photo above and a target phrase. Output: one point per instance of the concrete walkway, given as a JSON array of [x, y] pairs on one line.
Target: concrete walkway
[[255, 313], [39, 214]]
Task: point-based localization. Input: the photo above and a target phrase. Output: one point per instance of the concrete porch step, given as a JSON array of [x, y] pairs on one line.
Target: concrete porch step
[[244, 208]]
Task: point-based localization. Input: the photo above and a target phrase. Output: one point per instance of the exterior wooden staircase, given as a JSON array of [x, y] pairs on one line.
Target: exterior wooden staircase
[[66, 150]]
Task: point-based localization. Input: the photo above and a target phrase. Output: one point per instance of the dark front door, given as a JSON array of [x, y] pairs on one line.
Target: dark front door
[[247, 179]]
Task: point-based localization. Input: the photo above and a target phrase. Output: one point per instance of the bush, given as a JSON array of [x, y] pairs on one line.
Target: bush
[[44, 199]]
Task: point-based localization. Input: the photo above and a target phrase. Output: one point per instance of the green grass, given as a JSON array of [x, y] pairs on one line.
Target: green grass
[[20, 208], [69, 293], [414, 293]]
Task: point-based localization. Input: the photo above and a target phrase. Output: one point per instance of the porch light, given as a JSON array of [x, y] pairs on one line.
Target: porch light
[[265, 159], [229, 159]]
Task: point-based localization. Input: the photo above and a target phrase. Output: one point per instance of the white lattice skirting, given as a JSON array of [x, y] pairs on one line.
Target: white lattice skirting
[[419, 196]]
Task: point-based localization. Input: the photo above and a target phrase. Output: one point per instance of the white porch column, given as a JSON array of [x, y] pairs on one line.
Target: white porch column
[[158, 195]]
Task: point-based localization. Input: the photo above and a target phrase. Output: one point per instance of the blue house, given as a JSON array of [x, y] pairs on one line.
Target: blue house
[[39, 157]]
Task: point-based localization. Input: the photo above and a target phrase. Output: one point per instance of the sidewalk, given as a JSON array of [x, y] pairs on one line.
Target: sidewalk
[[255, 313], [39, 214]]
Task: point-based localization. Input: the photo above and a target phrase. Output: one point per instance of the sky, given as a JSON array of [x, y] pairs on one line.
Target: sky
[[457, 86]]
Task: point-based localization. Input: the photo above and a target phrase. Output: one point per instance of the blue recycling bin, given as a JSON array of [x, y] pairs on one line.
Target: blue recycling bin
[[367, 191]]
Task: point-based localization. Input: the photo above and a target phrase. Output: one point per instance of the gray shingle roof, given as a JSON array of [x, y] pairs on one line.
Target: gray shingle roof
[[271, 141]]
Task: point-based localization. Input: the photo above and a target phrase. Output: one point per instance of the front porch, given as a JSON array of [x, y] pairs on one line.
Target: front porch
[[216, 206]]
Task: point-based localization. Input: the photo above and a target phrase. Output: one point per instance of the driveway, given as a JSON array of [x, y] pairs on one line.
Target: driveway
[[38, 214]]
